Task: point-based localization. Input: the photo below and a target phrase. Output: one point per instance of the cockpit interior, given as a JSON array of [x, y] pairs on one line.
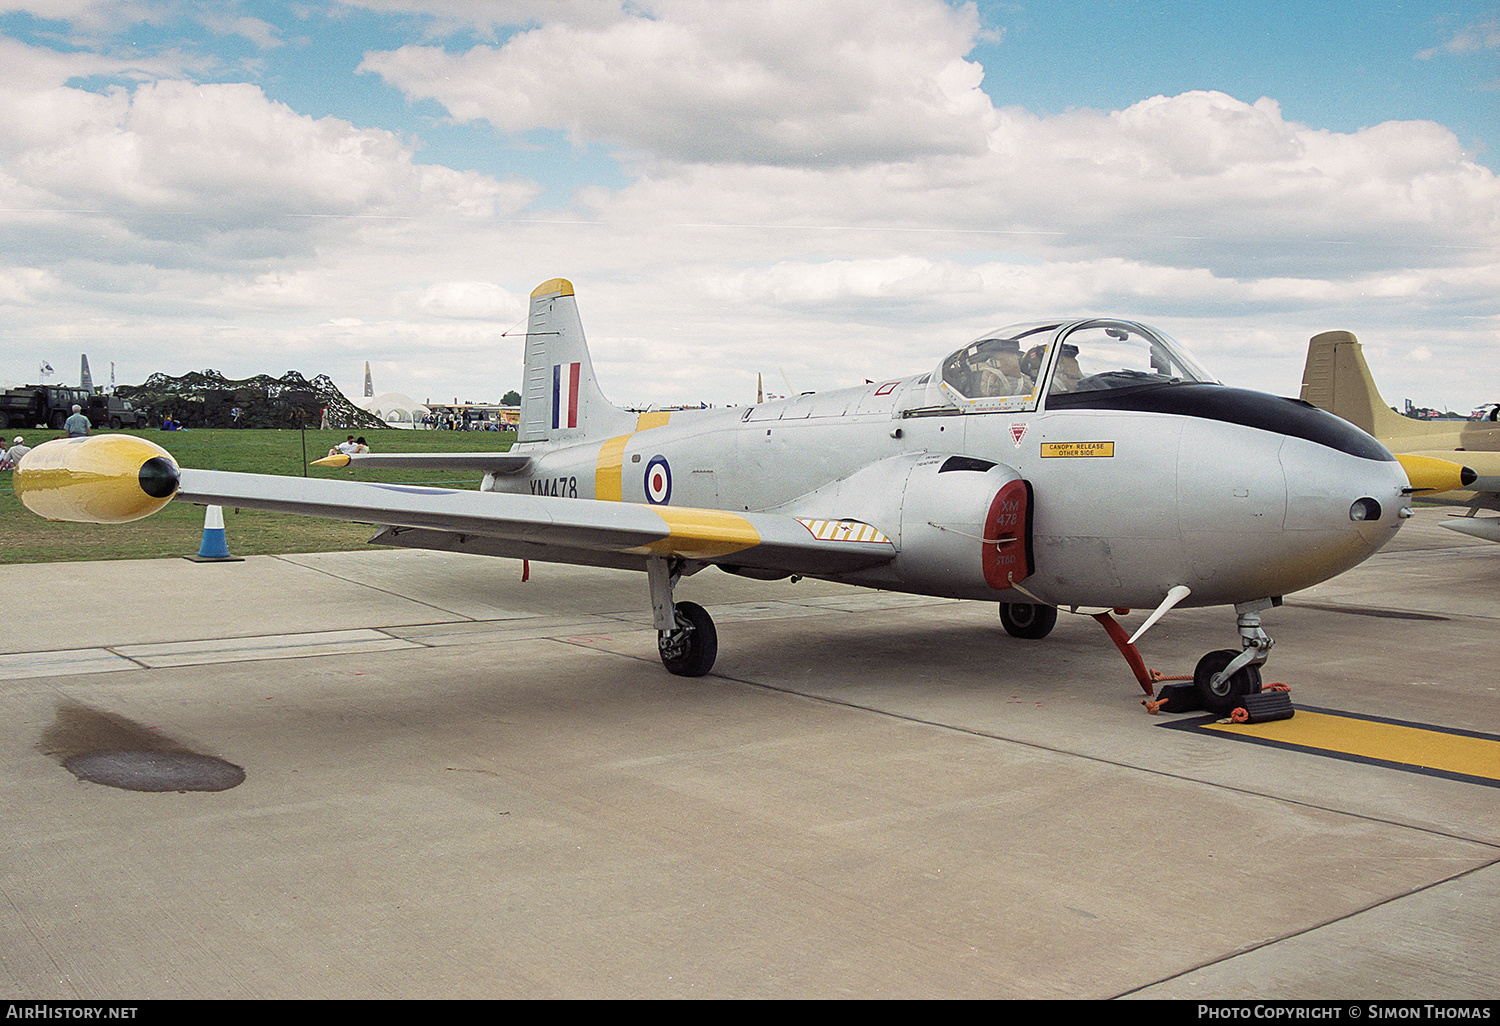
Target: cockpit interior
[[1018, 367]]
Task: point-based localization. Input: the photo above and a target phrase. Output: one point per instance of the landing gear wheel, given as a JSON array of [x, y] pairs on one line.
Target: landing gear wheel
[[690, 650], [1221, 695], [1029, 620]]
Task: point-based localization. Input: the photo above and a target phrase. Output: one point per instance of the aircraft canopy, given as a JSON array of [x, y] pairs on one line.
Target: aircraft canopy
[[1017, 367]]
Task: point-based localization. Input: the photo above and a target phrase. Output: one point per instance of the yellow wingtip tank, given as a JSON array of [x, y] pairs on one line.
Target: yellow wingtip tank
[[104, 479], [338, 459], [1429, 474]]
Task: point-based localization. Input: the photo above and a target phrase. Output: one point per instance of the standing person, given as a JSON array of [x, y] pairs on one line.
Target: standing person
[[77, 426]]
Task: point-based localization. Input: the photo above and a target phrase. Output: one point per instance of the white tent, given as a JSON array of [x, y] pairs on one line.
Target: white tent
[[397, 410]]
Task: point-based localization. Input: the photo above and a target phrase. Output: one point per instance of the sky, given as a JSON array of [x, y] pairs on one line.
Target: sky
[[818, 192]]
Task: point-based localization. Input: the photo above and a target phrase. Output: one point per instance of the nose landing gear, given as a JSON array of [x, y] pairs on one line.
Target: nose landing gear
[[1223, 678]]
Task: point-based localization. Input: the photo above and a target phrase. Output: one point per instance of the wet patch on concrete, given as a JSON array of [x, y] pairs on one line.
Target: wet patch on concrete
[[108, 749]]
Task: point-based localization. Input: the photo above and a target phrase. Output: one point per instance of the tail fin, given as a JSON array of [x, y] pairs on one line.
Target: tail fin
[[1337, 379], [561, 401]]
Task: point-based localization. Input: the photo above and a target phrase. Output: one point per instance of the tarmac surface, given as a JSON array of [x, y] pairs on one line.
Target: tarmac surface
[[460, 785]]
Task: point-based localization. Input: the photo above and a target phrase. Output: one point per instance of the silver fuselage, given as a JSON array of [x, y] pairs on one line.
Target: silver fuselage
[[1128, 502]]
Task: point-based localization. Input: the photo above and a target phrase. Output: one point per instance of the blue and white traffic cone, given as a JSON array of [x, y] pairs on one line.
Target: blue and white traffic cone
[[214, 548]]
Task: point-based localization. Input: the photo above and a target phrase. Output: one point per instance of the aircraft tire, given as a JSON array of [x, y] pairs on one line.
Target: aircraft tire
[[694, 655], [1029, 620], [1221, 698]]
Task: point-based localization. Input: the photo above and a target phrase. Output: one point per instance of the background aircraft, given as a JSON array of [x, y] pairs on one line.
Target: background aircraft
[[1086, 464], [1337, 379]]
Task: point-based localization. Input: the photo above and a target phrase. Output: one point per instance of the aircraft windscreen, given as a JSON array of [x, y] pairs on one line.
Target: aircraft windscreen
[[991, 367], [1103, 355]]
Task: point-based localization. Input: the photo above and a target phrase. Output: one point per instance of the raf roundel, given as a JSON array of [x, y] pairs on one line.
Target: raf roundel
[[658, 481]]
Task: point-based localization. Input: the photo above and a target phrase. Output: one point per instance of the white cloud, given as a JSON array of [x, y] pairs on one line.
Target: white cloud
[[744, 81], [478, 300], [832, 196], [1471, 39], [223, 153], [24, 286]]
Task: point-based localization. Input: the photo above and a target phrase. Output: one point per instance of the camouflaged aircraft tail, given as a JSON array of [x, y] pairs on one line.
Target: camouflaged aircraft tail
[[1337, 379]]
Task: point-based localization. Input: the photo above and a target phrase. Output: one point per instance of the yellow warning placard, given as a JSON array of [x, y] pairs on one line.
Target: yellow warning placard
[[1077, 449]]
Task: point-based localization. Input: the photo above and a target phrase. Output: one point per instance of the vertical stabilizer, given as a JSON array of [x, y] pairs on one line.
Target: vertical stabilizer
[[85, 379], [1337, 379], [369, 382], [561, 401]]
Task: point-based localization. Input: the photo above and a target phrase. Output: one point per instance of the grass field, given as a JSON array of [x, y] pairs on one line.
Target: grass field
[[178, 529]]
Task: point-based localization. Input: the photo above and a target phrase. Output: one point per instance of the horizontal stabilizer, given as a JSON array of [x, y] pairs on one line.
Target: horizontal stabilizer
[[501, 463]]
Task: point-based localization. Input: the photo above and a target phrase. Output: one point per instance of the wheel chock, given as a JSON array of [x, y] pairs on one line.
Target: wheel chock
[[1175, 698], [1264, 707]]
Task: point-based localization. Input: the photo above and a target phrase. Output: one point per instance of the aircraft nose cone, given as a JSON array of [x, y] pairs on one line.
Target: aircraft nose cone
[[1340, 508]]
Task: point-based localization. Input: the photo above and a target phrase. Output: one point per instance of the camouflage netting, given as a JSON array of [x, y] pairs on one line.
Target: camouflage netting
[[207, 399]]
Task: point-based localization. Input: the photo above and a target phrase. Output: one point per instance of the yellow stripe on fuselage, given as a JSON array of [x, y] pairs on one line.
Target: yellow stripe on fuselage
[[609, 470]]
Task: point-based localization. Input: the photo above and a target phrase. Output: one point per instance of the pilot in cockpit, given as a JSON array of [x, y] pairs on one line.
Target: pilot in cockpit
[[1068, 373], [997, 365]]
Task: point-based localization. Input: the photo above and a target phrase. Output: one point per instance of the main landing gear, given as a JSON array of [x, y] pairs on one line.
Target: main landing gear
[[1030, 620], [685, 634]]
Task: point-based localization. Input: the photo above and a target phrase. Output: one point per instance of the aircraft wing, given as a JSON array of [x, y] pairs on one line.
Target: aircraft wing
[[117, 478], [556, 529], [1484, 528]]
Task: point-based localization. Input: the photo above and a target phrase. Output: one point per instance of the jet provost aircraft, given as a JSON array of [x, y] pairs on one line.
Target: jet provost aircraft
[[1087, 464], [1337, 379]]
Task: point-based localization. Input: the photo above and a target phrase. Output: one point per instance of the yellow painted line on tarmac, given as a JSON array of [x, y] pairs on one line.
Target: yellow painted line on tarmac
[[1416, 747]]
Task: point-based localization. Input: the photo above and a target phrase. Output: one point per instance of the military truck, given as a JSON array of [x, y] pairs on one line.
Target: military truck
[[34, 406], [48, 406], [112, 411]]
